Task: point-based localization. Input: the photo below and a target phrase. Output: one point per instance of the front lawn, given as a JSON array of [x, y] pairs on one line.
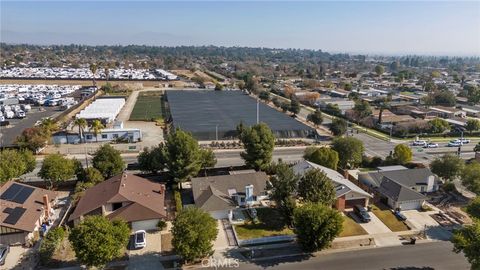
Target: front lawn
[[388, 218], [270, 223], [351, 227]]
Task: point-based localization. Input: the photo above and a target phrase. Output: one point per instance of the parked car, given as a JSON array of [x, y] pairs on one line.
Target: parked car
[[431, 145], [399, 215], [419, 143], [140, 239], [362, 213], [463, 140], [4, 250]]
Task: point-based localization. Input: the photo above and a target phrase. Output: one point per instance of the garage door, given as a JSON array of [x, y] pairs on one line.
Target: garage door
[[351, 203], [146, 225], [221, 214], [410, 205]]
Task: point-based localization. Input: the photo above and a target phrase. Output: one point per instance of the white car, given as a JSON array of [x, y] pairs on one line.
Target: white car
[[419, 143], [140, 239], [463, 140], [431, 145], [454, 143]]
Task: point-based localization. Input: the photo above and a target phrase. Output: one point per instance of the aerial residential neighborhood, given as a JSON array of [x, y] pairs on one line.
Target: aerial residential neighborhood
[[250, 135]]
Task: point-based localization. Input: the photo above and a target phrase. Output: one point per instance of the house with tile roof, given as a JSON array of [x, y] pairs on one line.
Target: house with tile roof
[[136, 200]]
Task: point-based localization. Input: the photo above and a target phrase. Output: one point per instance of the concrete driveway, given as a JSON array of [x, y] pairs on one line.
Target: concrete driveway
[[18, 258], [419, 219], [149, 256], [375, 226]]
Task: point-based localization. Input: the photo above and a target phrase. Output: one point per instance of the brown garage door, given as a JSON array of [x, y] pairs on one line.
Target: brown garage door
[[351, 203]]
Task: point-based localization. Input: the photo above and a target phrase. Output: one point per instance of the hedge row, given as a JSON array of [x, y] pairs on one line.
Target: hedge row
[[50, 243]]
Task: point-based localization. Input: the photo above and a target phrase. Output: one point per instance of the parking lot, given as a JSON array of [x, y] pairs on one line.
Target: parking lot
[[16, 126]]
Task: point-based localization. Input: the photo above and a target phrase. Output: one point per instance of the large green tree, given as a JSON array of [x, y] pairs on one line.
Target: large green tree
[[32, 139], [379, 70], [55, 169], [438, 125], [472, 125], [193, 234], [207, 159], [316, 117], [283, 189], [324, 156], [258, 141], [350, 151], [294, 107], [467, 240], [316, 225], [473, 208], [470, 177], [402, 154], [315, 186], [108, 161], [182, 155], [338, 126], [97, 240], [447, 166], [14, 163], [362, 109], [152, 159]]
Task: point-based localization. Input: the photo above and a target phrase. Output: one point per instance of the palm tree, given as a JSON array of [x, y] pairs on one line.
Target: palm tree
[[97, 128], [93, 69], [81, 123], [49, 125]]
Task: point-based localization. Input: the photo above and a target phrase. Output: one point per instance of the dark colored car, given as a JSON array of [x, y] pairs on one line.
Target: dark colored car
[[4, 250], [400, 216], [362, 213]]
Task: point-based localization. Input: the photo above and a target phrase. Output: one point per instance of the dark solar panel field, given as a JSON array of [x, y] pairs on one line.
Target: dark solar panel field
[[201, 112]]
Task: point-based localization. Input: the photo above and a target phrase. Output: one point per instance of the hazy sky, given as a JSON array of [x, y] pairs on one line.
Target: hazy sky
[[451, 27]]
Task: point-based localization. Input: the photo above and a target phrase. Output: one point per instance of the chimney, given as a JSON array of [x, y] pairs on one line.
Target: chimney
[[249, 194], [46, 207]]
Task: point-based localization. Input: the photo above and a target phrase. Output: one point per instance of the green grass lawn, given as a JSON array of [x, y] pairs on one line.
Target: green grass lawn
[[351, 228], [270, 223], [388, 218], [148, 107]]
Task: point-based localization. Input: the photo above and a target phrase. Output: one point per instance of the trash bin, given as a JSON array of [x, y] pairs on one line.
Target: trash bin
[[413, 240]]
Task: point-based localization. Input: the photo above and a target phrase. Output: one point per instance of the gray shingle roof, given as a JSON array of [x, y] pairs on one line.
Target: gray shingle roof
[[397, 191], [212, 193], [409, 178]]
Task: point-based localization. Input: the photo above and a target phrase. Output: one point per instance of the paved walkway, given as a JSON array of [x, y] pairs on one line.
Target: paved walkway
[[124, 114]]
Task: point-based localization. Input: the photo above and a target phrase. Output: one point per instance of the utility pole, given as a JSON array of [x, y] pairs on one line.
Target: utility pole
[[216, 132], [391, 127], [258, 114], [86, 156]]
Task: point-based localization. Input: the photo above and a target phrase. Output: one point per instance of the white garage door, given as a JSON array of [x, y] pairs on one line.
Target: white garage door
[[146, 225], [410, 205]]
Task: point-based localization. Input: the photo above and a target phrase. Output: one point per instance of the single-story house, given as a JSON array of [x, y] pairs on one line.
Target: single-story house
[[134, 199], [219, 195], [408, 188], [105, 135], [24, 209], [348, 194]]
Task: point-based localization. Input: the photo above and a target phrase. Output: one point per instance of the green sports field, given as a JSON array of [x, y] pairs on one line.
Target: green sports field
[[149, 106]]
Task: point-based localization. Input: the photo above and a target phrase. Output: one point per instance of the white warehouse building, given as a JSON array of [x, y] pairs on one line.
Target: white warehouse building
[[103, 109]]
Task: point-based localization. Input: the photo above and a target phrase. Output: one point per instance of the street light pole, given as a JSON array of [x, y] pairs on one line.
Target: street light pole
[[258, 115], [216, 132]]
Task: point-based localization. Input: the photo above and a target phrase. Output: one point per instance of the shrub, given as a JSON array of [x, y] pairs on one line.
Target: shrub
[[50, 243], [178, 200], [449, 187], [161, 225]]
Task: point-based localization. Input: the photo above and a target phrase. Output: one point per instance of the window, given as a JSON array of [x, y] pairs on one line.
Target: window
[[104, 136], [115, 206], [115, 136], [89, 137], [242, 199]]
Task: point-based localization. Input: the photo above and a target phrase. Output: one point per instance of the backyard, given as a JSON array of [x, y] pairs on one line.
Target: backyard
[[149, 107], [388, 218], [269, 223], [351, 227]]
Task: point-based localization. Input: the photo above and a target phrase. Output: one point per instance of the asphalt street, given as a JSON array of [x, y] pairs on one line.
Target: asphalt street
[[426, 256]]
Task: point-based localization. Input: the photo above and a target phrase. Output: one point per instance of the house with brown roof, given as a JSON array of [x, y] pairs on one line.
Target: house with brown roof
[[23, 210], [136, 200]]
